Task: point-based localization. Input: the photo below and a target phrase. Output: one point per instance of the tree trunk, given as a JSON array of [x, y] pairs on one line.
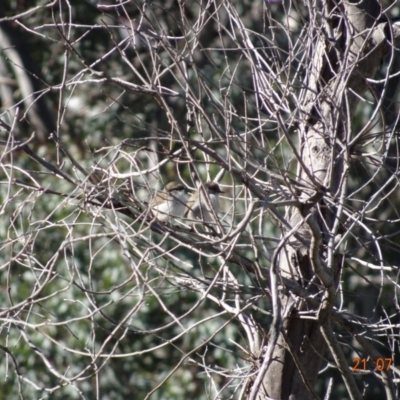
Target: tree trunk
[[344, 56]]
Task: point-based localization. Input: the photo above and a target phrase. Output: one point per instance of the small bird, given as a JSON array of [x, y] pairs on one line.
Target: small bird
[[208, 196], [170, 202]]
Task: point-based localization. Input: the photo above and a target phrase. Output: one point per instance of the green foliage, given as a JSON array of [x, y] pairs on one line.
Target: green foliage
[[97, 300]]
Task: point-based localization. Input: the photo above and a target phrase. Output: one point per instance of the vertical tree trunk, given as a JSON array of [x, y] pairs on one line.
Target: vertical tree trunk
[[348, 49]]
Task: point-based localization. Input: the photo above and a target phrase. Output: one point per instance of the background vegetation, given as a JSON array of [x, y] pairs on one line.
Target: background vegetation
[[104, 102]]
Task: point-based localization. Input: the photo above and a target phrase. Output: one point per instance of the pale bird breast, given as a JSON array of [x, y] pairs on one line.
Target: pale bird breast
[[181, 197], [214, 200], [179, 205]]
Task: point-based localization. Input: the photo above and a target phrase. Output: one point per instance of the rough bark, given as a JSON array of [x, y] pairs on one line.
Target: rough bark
[[341, 66]]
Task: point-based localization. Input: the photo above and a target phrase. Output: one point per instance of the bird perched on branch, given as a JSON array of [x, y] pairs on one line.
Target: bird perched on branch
[[170, 202]]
